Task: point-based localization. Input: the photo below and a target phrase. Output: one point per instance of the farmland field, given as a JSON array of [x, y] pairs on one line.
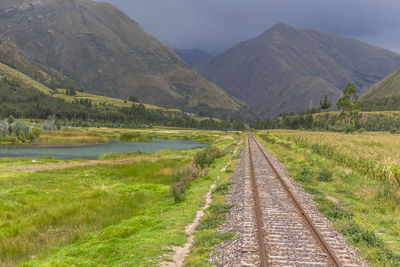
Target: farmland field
[[108, 213], [355, 181]]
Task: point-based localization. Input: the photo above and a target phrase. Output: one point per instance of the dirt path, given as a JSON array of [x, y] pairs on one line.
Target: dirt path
[[181, 253], [57, 166]]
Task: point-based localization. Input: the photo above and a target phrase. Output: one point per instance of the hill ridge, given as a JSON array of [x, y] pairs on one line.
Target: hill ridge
[[108, 53], [287, 69], [388, 87]]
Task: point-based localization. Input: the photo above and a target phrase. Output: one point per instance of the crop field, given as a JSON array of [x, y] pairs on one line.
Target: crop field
[[375, 154], [121, 214], [97, 99], [354, 179]]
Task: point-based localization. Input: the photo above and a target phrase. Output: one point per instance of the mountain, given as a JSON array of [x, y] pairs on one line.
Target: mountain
[[287, 69], [10, 56], [193, 56], [388, 87], [13, 57], [107, 53]]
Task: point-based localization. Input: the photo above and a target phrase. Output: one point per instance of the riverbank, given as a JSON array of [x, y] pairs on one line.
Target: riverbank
[[101, 214]]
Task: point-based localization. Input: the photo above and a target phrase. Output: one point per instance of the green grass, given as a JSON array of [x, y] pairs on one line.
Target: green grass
[[45, 209], [69, 137], [120, 215], [364, 210], [141, 240], [207, 236], [11, 163]]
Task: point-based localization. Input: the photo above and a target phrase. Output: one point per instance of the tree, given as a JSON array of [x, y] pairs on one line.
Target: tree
[[53, 85], [11, 120], [348, 105], [326, 104], [133, 98]]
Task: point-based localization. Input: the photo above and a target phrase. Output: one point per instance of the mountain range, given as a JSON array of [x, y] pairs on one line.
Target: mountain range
[[94, 46], [288, 69], [105, 52]]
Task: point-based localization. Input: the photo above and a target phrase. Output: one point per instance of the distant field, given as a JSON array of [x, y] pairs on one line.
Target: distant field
[[364, 113], [97, 99], [355, 180], [69, 137]]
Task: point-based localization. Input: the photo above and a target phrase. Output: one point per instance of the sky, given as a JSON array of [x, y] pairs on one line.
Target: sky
[[217, 25]]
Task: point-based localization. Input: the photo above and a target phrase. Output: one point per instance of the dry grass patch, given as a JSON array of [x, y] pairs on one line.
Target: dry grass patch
[[70, 137]]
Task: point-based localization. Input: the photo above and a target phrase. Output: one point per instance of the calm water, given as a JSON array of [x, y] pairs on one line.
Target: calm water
[[93, 152]]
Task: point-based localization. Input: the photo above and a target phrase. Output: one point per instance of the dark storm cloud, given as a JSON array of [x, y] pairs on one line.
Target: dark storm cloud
[[216, 25]]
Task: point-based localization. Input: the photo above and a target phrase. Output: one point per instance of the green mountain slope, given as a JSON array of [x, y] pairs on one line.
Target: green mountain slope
[[24, 97], [388, 87], [287, 69], [107, 53], [383, 96], [26, 82]]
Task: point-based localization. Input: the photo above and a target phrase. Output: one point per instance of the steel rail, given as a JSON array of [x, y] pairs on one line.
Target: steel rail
[[308, 220], [261, 244]]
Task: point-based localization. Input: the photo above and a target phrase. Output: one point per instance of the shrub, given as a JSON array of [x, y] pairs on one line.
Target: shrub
[[221, 209], [335, 212], [223, 188], [207, 156], [325, 175], [210, 221], [135, 137], [305, 175], [182, 179], [177, 191], [215, 216], [357, 234]]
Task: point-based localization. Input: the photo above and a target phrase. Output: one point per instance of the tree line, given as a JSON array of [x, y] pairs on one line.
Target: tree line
[[29, 103]]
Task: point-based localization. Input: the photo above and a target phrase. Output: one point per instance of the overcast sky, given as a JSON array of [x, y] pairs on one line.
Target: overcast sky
[[216, 25]]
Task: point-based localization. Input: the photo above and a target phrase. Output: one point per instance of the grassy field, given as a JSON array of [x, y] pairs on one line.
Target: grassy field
[[374, 154], [88, 136], [105, 214], [70, 137], [98, 99], [363, 207]]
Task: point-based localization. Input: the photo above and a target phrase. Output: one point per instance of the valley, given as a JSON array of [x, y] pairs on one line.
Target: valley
[[122, 144]]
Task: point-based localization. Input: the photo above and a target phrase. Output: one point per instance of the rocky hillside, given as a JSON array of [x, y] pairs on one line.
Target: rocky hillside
[[107, 53], [287, 69]]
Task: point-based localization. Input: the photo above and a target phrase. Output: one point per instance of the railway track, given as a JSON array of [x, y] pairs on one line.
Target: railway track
[[280, 232]]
